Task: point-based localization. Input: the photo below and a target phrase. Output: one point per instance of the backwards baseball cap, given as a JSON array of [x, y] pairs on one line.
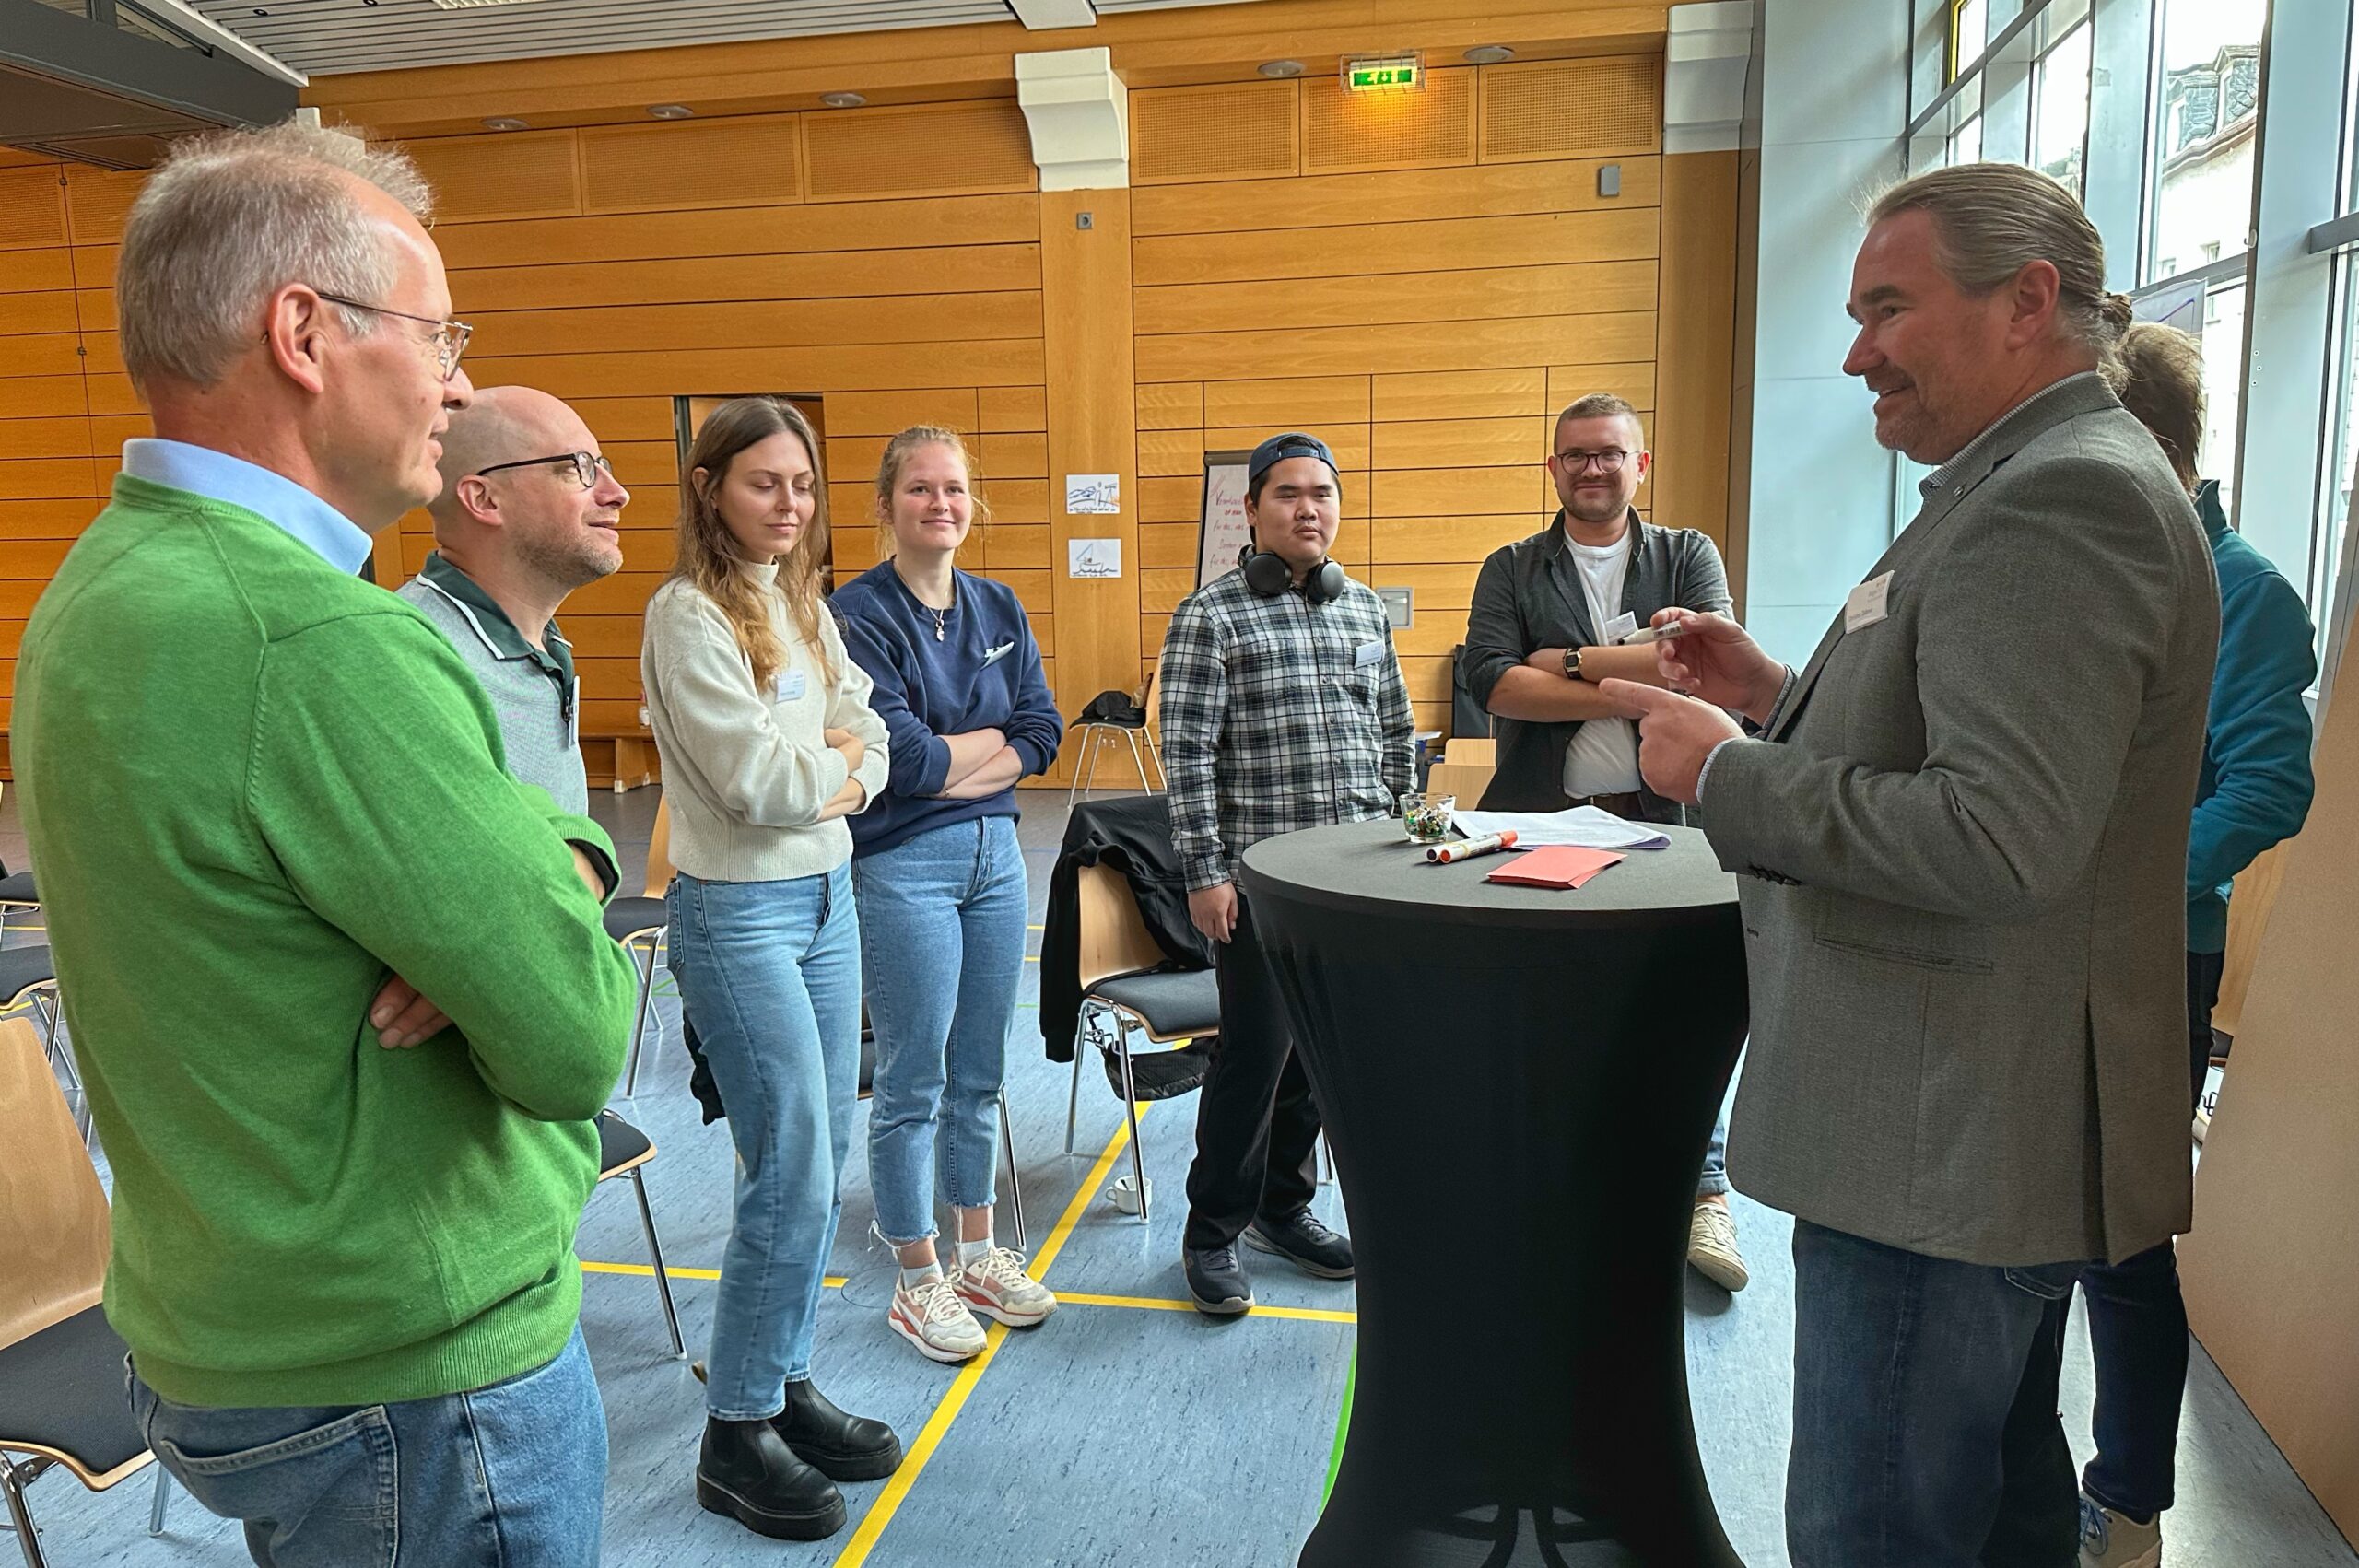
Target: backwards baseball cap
[[1278, 448]]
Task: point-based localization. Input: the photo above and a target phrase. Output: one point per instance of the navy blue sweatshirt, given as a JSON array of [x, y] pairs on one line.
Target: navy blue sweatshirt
[[985, 674]]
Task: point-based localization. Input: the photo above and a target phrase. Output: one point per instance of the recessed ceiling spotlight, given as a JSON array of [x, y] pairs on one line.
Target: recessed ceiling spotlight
[[1280, 69], [670, 111], [1490, 54], [841, 99], [505, 122]]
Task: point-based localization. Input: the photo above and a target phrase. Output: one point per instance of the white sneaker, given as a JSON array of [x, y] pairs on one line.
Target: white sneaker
[[930, 1315], [2116, 1540], [1711, 1247], [997, 1286]]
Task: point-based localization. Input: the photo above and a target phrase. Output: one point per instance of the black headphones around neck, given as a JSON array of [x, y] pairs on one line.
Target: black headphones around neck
[[1266, 572]]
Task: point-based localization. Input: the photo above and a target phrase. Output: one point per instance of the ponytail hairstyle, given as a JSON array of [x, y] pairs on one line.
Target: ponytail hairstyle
[[2163, 385], [896, 456], [707, 557]]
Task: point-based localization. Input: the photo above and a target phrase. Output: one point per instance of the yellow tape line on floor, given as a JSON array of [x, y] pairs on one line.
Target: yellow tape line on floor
[[888, 1503], [1065, 1298]]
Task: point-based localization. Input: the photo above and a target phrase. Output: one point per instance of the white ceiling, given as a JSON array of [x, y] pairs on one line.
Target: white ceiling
[[323, 37]]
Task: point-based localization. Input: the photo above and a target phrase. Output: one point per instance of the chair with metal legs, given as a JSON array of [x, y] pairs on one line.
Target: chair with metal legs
[[61, 1364], [1125, 987], [638, 923], [28, 978], [623, 1150], [1112, 714]]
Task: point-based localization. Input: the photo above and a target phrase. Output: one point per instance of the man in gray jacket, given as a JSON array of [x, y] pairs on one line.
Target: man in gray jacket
[[1962, 832]]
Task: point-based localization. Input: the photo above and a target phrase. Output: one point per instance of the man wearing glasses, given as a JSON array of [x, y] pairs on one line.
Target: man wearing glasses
[[1541, 634], [339, 984], [529, 512]]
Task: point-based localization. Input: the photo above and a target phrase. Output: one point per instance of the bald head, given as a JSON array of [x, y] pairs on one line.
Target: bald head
[[534, 522]]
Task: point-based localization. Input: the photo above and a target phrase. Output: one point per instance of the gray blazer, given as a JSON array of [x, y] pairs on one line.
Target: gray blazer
[[1529, 595], [1962, 836]]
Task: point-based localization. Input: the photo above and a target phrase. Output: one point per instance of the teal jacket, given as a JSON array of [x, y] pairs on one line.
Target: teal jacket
[[2255, 787]]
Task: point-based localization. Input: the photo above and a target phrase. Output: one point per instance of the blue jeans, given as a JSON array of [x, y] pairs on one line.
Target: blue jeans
[[769, 980], [1925, 1426], [942, 950], [2138, 1326], [512, 1476]]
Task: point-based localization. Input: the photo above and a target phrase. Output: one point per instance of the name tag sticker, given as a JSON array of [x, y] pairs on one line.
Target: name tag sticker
[[790, 685], [1620, 627], [1368, 653], [1866, 606], [992, 656]]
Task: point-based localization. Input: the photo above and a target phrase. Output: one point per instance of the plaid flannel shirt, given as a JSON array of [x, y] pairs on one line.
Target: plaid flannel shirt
[[1278, 714]]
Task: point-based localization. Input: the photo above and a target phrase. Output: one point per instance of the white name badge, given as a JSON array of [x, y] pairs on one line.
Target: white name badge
[[1368, 653], [790, 685], [1620, 627], [1865, 607]]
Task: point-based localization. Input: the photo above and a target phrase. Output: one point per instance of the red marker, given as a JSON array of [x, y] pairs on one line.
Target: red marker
[[1445, 854]]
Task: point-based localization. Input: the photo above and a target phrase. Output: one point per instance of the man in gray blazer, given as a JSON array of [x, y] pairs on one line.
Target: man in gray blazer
[[1962, 830]]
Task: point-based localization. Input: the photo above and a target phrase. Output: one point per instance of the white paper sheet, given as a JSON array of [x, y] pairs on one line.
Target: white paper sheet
[[1585, 826]]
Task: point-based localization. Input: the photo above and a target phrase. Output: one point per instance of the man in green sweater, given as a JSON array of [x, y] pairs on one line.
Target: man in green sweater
[[338, 984]]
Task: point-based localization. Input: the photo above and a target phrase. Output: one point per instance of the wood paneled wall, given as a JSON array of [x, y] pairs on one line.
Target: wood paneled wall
[[1420, 280]]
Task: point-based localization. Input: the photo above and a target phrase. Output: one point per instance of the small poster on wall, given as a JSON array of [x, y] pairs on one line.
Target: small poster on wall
[[1093, 494], [1222, 528], [1092, 557]]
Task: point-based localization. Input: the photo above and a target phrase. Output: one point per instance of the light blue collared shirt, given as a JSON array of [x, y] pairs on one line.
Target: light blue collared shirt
[[217, 477]]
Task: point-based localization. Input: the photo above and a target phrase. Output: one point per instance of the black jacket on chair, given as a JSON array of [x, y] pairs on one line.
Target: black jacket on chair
[[1132, 834]]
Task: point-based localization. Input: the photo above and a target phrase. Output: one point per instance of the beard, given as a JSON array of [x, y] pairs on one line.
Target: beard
[[572, 563], [1594, 506]]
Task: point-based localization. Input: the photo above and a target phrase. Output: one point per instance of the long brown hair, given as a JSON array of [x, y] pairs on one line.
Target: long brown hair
[[2163, 385], [896, 456], [708, 555]]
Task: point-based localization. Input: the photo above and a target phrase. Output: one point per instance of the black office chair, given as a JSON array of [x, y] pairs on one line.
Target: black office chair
[[623, 1150]]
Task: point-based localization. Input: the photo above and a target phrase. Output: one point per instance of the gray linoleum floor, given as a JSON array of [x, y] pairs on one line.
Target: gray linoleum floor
[[1127, 1430]]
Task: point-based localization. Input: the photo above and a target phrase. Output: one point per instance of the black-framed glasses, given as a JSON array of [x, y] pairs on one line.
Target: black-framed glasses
[[450, 336], [587, 466], [1608, 461]]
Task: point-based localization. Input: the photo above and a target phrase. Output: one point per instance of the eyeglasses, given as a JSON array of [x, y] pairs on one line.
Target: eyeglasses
[[587, 466], [450, 336], [1576, 461]]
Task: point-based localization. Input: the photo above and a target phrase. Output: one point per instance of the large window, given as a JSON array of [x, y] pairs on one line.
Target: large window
[[2059, 109], [2205, 104]]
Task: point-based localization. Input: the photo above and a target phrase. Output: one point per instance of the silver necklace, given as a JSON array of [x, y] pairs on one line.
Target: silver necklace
[[939, 617]]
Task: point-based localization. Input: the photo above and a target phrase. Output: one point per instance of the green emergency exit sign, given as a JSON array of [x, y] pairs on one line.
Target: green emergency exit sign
[[1386, 72]]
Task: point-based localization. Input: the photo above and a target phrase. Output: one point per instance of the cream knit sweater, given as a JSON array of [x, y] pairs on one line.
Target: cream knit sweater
[[746, 772]]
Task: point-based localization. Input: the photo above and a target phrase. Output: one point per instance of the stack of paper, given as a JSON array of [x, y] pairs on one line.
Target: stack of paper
[[1584, 826], [1559, 865]]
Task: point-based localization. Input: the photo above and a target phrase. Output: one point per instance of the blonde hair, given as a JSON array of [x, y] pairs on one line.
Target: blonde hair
[[708, 555], [2162, 384], [896, 457], [1991, 220]]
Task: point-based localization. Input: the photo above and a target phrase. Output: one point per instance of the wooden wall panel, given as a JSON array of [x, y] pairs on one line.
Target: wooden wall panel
[[1695, 355]]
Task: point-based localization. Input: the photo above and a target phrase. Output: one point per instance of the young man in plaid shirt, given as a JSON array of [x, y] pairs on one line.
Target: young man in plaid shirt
[[1283, 708]]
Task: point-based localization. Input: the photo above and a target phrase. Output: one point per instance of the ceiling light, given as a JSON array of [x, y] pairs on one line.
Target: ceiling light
[[670, 111], [1490, 54], [1281, 67], [505, 122], [841, 99]]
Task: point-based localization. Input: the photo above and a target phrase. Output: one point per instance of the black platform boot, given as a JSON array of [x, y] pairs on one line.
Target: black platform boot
[[839, 1446], [747, 1471]]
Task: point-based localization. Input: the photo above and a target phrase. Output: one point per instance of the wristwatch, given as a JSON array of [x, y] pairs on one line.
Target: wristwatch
[[1572, 663]]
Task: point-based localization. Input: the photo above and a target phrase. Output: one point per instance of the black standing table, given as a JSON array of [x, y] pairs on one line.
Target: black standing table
[[1518, 1086]]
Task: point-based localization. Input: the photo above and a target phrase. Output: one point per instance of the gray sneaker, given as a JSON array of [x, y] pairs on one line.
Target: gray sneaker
[[2116, 1540]]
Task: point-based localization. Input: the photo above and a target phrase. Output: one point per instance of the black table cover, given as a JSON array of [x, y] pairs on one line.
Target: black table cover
[[1518, 1086]]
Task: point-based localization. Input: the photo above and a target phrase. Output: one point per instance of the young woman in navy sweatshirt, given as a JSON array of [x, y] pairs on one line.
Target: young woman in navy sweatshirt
[[940, 883]]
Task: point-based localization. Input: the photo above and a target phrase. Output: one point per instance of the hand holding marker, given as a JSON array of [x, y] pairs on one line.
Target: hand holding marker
[[1445, 854]]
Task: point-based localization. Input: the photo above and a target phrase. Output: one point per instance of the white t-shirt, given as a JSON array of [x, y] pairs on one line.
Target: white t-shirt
[[1602, 756]]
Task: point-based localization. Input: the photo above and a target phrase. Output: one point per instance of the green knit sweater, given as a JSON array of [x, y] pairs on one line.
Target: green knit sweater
[[253, 788]]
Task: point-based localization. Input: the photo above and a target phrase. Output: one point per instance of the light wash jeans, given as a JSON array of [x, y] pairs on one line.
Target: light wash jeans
[[770, 979], [942, 949], [511, 1476]]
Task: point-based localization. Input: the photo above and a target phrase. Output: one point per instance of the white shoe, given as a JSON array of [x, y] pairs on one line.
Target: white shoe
[[2116, 1540], [1711, 1247], [930, 1315], [997, 1286]]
